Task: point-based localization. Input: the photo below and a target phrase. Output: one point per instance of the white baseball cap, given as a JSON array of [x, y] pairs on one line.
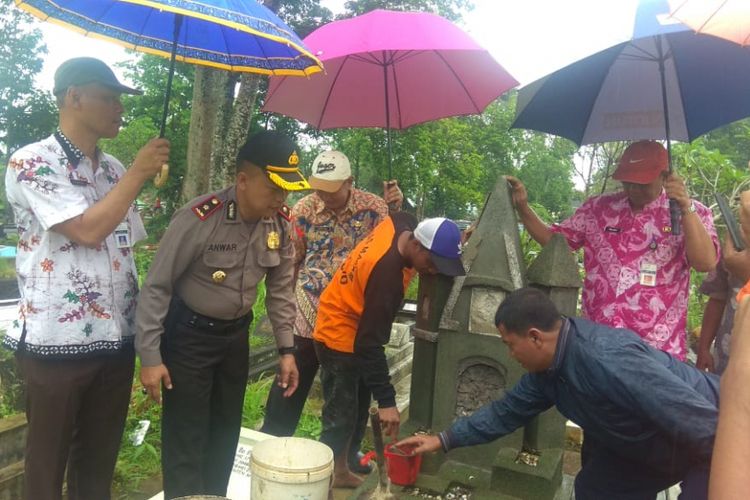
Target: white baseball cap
[[329, 171]]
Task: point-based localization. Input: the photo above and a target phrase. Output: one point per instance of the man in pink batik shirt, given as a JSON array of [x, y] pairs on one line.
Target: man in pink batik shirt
[[637, 271]]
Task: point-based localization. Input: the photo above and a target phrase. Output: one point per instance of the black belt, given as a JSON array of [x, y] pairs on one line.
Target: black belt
[[183, 314]]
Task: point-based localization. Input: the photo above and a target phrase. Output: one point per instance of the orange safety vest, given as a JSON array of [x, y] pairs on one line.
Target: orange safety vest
[[342, 302]]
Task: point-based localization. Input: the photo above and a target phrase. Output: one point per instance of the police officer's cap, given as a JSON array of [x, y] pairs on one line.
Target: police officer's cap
[[277, 155]]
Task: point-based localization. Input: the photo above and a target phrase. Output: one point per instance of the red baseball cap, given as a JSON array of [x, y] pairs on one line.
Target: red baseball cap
[[642, 162]]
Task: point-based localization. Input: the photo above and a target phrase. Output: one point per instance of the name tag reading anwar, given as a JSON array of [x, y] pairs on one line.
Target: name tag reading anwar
[[222, 247]]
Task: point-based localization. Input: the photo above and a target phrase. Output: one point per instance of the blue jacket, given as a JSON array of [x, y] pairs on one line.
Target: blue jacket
[[639, 402]]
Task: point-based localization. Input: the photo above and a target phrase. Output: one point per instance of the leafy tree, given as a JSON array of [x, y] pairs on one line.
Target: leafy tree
[[26, 113], [449, 9], [708, 171], [446, 167], [733, 141], [225, 106], [303, 16], [141, 123]]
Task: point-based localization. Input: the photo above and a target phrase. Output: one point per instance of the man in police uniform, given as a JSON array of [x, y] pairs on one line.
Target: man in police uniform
[[196, 305]]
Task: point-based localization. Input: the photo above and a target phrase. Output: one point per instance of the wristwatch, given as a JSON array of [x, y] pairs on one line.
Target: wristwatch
[[690, 209], [287, 350]]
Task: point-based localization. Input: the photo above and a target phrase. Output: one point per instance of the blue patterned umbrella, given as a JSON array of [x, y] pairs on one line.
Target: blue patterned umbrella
[[234, 35]]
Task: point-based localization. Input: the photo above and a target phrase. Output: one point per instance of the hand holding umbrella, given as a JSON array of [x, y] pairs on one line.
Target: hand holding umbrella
[[668, 84], [152, 158], [234, 36]]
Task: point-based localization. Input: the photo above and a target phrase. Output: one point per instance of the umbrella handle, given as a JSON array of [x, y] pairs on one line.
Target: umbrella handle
[[675, 215], [161, 178]]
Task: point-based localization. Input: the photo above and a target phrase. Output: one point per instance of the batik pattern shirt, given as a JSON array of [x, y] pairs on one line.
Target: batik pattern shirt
[[618, 245], [75, 301], [322, 240]]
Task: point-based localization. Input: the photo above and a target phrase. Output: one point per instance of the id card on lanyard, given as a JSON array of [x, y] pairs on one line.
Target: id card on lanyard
[[648, 274], [122, 235]]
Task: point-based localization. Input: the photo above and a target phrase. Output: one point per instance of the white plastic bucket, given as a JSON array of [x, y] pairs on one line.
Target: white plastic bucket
[[290, 468]]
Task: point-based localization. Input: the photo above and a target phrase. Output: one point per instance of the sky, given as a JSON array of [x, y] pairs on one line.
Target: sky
[[530, 38]]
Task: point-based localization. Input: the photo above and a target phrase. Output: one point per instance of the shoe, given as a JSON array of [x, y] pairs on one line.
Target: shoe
[[355, 465]]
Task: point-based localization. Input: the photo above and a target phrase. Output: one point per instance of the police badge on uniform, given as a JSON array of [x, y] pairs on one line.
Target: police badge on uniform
[[218, 276], [273, 240]]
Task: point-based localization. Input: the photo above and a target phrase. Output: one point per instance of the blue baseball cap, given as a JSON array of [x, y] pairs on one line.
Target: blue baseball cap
[[442, 238]]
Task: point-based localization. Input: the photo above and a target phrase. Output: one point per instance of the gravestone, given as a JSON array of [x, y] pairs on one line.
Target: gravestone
[[461, 364]]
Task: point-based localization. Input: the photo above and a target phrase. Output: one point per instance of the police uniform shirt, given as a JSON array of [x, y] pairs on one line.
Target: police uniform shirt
[[213, 260]]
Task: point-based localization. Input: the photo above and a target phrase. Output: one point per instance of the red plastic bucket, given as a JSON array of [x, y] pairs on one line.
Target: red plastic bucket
[[402, 464]]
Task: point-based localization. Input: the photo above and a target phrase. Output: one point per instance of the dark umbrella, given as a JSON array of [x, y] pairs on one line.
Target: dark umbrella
[[666, 83], [226, 34]]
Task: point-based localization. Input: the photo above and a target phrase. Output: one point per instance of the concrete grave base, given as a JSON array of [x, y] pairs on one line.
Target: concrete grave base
[[518, 479]]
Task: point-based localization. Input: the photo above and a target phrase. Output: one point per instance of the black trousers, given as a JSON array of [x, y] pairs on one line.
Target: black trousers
[[283, 414], [76, 411], [207, 361], [347, 400], [606, 475]]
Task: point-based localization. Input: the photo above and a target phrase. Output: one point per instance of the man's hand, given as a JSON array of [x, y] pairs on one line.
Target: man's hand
[[390, 420], [520, 196], [152, 378], [676, 190], [150, 158], [705, 361], [392, 195], [288, 374], [423, 443]]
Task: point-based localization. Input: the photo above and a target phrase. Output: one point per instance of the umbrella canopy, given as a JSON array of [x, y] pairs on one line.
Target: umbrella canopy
[[729, 19], [390, 69], [232, 35], [667, 83], [617, 94]]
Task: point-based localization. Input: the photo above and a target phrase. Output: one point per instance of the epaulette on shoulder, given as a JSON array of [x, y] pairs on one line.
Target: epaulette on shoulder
[[286, 213], [205, 208]]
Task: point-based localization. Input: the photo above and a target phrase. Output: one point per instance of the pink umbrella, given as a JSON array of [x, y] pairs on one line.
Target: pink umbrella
[[390, 69]]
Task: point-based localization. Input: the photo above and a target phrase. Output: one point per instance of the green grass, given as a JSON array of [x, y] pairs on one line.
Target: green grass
[[254, 408], [137, 463], [309, 423], [259, 308], [412, 289], [7, 269]]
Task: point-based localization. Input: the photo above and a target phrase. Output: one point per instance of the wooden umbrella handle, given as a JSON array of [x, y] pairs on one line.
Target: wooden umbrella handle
[[161, 178]]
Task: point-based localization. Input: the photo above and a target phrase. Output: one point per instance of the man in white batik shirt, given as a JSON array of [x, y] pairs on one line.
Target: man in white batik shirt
[[73, 338], [75, 300]]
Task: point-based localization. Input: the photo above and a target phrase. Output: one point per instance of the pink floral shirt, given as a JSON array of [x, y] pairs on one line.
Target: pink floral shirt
[[637, 273], [75, 301]]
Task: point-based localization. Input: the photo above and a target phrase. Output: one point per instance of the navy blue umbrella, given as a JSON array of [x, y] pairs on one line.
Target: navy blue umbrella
[[667, 83]]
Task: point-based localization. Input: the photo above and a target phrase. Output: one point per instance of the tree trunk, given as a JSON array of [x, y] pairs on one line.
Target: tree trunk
[[208, 94], [224, 117], [233, 137]]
